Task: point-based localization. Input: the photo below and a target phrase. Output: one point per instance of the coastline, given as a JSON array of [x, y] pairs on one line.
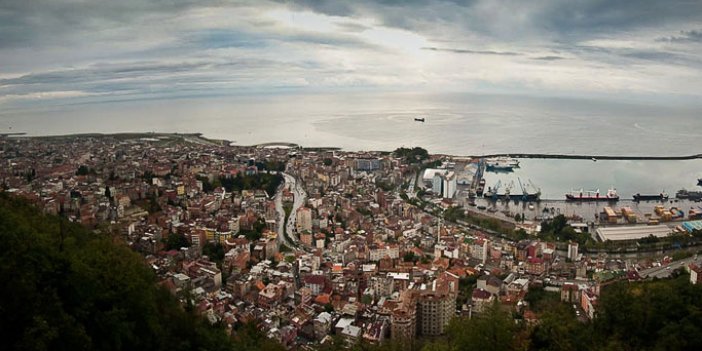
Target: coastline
[[202, 138]]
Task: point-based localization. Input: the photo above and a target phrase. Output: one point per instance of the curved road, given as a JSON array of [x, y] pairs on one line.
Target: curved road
[[299, 199]]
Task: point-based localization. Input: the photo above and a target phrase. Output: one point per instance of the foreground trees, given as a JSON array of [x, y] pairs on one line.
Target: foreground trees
[[67, 289]]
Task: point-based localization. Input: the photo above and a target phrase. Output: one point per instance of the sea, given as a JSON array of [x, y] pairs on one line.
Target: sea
[[454, 123]]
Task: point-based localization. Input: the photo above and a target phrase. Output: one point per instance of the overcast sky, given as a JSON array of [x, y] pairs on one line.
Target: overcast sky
[[58, 51]]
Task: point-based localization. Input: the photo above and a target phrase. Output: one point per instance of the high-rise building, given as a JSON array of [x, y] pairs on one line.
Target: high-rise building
[[304, 219], [403, 319], [436, 305]]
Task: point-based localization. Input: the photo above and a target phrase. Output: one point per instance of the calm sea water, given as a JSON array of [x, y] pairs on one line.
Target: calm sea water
[[459, 124], [463, 124], [557, 177]]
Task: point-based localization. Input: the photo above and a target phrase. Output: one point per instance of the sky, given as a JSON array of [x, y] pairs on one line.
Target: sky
[[55, 52]]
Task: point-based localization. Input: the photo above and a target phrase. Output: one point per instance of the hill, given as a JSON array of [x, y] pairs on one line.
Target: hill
[[65, 288]]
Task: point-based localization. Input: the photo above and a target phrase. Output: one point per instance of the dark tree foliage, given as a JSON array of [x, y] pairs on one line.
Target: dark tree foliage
[[558, 229], [84, 170], [259, 181], [263, 181], [271, 165], [215, 251], [413, 155], [176, 241], [85, 292]]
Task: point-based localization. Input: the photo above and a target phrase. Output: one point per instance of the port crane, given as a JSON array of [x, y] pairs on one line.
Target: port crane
[[508, 189], [492, 192], [525, 193]]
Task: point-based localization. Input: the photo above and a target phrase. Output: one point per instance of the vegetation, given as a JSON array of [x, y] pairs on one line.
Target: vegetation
[[85, 170], [260, 181], [271, 165], [215, 251], [414, 155], [655, 315], [558, 229], [175, 241], [68, 289]]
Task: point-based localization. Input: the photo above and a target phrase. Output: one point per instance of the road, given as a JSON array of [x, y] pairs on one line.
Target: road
[[665, 271], [299, 199]]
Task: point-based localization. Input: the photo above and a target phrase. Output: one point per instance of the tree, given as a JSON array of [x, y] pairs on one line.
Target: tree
[[92, 295], [409, 256], [215, 251], [83, 170], [175, 241], [108, 193], [493, 329]]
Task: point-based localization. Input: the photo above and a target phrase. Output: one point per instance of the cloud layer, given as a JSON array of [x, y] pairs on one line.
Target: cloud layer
[[62, 51]]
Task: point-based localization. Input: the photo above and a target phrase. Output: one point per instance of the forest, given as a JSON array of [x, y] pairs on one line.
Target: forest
[[65, 288]]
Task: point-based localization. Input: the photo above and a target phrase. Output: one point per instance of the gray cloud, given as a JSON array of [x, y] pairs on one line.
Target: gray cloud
[[473, 52], [164, 46], [548, 58], [684, 36]]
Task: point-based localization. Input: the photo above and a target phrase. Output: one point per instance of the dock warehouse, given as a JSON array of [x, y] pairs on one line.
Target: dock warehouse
[[632, 232]]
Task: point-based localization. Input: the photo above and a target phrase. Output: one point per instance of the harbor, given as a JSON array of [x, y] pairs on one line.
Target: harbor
[[581, 189]]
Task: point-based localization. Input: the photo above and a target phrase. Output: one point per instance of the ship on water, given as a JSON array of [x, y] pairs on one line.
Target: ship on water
[[688, 195], [592, 195], [529, 192], [419, 119], [699, 181], [646, 197], [501, 164]]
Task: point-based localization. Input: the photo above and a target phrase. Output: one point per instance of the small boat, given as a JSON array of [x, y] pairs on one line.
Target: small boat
[[419, 119]]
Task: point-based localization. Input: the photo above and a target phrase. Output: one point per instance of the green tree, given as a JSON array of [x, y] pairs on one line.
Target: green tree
[[72, 290], [494, 329], [175, 241]]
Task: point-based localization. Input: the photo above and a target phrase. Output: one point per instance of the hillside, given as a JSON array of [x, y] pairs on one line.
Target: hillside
[[68, 289]]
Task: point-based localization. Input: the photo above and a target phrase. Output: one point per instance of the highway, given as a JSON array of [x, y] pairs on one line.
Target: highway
[[665, 271], [299, 200]]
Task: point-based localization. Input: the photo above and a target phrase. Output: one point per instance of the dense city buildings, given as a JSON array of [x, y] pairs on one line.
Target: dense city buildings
[[308, 244]]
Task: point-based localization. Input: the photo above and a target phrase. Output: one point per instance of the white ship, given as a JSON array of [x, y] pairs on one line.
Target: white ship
[[502, 163]]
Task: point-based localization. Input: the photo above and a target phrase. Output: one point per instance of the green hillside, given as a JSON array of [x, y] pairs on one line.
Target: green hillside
[[68, 289]]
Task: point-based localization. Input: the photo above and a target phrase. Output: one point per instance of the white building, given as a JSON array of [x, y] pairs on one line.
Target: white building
[[572, 251], [449, 188]]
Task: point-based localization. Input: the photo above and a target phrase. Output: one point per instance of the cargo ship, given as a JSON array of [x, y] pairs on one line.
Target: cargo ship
[[659, 197], [529, 192], [501, 164], [581, 195], [688, 195]]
